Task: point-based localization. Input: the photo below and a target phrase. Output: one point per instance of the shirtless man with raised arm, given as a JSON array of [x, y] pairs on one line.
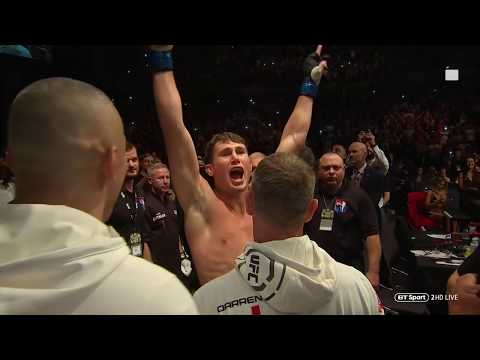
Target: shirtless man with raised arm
[[217, 225]]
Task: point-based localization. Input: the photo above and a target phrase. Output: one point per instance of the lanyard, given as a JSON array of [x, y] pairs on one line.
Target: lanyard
[[325, 202], [183, 253], [131, 212]]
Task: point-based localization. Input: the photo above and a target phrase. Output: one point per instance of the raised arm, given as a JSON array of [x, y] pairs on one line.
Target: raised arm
[[378, 152], [189, 185], [296, 130]]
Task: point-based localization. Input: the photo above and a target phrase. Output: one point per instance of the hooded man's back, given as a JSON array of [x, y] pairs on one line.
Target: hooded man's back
[[59, 260], [292, 276]]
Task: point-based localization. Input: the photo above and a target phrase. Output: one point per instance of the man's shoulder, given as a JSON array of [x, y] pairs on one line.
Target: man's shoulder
[[348, 274], [351, 279], [352, 193], [220, 285], [151, 199], [163, 292], [146, 194], [140, 188], [135, 268], [374, 171], [143, 267], [224, 289]]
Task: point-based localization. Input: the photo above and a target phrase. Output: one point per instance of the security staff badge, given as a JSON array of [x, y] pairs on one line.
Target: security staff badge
[[185, 263], [140, 202], [186, 267], [326, 222], [136, 244]]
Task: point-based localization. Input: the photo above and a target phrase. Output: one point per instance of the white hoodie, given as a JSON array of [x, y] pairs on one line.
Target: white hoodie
[[291, 276], [59, 260]]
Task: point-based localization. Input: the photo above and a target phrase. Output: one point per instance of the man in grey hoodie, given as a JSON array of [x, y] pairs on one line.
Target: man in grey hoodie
[[284, 272], [67, 150]]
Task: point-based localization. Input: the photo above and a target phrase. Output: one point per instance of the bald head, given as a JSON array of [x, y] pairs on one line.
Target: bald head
[[255, 158], [340, 150], [331, 155], [357, 152], [61, 131], [58, 122]]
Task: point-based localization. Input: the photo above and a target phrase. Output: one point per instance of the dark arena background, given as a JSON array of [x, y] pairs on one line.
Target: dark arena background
[[252, 89]]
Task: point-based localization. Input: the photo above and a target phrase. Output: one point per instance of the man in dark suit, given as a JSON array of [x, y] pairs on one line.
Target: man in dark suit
[[370, 179]]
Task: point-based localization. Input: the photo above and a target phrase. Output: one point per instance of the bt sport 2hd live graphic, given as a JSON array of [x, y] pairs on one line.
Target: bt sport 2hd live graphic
[[423, 297]]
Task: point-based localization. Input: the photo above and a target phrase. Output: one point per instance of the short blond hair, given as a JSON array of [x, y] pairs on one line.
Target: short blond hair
[[283, 185], [155, 166]]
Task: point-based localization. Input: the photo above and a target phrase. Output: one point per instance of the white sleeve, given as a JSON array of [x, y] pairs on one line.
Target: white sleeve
[[197, 297], [373, 304], [377, 307], [381, 156], [204, 302], [182, 301]]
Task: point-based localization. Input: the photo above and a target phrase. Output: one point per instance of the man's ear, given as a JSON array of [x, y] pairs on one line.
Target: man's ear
[[109, 161], [250, 201], [311, 209], [209, 169], [149, 180]]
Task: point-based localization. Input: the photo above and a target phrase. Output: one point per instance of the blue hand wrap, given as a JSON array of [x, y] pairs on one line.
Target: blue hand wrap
[[160, 60], [309, 88]]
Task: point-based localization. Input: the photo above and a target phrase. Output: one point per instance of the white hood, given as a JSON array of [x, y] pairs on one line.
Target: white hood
[[294, 276], [52, 257]]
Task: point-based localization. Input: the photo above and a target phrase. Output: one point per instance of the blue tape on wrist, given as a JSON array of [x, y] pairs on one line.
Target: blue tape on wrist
[[309, 88], [161, 60]]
